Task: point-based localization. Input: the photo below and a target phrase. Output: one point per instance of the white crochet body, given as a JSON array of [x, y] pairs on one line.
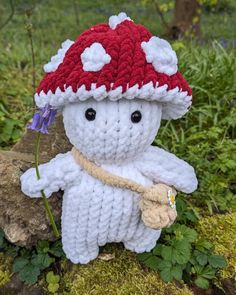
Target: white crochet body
[[93, 213]]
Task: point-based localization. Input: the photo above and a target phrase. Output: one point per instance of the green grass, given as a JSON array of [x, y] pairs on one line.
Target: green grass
[[205, 137]]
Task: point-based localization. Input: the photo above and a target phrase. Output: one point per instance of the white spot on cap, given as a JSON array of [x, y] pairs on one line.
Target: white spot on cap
[[57, 59], [115, 20], [94, 58], [159, 52]]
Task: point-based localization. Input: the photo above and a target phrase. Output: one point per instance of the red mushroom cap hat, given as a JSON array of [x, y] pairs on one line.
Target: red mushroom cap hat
[[118, 60]]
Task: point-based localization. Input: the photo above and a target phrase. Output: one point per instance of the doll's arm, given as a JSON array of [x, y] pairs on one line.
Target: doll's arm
[[54, 175], [163, 167]]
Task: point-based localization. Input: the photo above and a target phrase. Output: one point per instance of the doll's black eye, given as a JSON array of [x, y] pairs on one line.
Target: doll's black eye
[[136, 117], [90, 114]]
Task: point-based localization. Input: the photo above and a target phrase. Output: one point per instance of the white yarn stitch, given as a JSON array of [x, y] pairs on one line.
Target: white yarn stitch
[[57, 59], [177, 102], [94, 58], [160, 54], [163, 167], [115, 20], [56, 174]]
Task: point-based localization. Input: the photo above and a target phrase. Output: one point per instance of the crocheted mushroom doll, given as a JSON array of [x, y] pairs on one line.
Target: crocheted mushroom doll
[[113, 85]]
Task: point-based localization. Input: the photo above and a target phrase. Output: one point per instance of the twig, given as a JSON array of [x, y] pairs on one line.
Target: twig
[[45, 201], [10, 16], [159, 12], [29, 28]]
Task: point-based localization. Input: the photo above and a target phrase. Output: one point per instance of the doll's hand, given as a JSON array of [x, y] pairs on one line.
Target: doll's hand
[[31, 186]]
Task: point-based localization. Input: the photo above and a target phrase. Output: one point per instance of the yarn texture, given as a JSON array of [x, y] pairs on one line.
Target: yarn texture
[[157, 209], [116, 60], [113, 90]]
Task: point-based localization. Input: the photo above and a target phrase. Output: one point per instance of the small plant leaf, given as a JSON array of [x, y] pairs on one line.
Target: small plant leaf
[[29, 273], [189, 234], [166, 252], [43, 247], [217, 261], [157, 250], [181, 252], [188, 267], [53, 288], [202, 283], [201, 258], [190, 215], [52, 278], [208, 272], [25, 253], [153, 262], [164, 264], [42, 260], [203, 245], [12, 250], [56, 249], [177, 272], [166, 275], [19, 263], [144, 256]]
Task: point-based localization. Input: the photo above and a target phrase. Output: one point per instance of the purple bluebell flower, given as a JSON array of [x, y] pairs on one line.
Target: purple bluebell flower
[[42, 119], [35, 122]]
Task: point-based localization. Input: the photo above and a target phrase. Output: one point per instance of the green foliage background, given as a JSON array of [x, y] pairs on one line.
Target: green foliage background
[[205, 137]]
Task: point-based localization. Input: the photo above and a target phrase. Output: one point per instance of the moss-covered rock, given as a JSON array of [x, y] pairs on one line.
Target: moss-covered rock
[[122, 275], [5, 269], [220, 230]]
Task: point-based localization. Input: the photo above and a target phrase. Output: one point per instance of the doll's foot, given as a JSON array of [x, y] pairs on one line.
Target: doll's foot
[[83, 258], [144, 242], [135, 246]]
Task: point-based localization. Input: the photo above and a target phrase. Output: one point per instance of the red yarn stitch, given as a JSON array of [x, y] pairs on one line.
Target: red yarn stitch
[[128, 65]]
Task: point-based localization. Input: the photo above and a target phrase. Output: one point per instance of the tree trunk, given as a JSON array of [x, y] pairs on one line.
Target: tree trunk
[[186, 21]]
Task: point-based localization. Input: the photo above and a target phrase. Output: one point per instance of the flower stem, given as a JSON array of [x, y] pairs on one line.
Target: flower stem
[[45, 201]]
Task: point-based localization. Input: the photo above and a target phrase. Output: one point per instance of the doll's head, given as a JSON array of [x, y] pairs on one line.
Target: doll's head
[[112, 131], [114, 84]]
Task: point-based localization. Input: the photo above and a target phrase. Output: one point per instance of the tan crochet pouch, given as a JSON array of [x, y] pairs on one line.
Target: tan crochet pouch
[[157, 202]]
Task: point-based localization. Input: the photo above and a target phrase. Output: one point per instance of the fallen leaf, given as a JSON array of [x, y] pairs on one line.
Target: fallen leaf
[[106, 256]]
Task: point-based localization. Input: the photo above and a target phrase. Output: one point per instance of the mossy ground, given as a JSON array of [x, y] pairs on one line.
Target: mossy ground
[[5, 269], [122, 275], [221, 231]]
